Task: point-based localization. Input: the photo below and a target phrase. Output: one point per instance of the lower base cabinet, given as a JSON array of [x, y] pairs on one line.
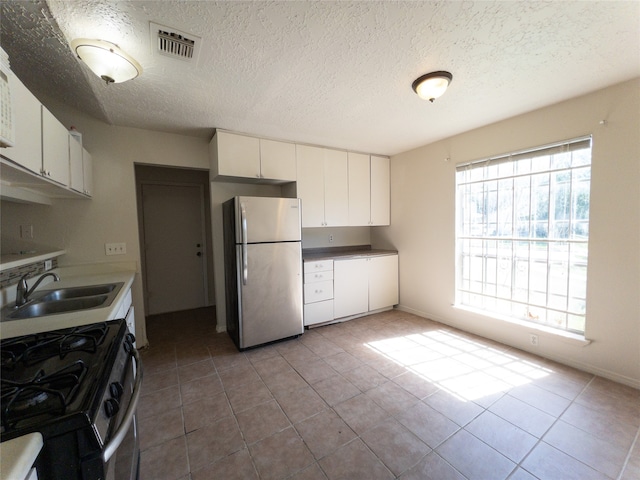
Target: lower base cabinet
[[363, 285]]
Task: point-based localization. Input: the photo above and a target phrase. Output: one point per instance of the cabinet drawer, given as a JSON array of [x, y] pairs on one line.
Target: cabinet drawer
[[318, 276], [317, 292], [318, 266], [318, 312]]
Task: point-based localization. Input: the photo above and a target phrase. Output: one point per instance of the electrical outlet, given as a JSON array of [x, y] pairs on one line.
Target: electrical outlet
[[115, 248], [533, 339], [330, 237], [26, 231], [48, 264]]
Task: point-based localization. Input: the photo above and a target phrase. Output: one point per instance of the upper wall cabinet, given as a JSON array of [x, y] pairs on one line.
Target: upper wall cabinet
[[76, 170], [55, 149], [277, 160], [43, 164], [359, 189], [369, 191], [323, 186], [235, 157], [380, 191], [87, 172], [27, 115]]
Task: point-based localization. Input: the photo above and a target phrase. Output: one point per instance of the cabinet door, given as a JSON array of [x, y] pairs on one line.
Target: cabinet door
[[310, 184], [76, 180], [336, 188], [383, 281], [237, 155], [351, 287], [380, 191], [359, 190], [318, 312], [55, 148], [87, 170], [27, 117], [277, 160]]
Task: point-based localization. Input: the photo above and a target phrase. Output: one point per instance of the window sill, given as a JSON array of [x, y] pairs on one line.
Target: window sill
[[566, 337]]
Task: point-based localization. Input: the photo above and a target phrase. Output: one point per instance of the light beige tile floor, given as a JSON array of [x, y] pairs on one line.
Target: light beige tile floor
[[387, 396]]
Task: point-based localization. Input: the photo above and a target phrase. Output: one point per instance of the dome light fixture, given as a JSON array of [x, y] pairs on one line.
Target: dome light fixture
[[106, 60], [432, 85]]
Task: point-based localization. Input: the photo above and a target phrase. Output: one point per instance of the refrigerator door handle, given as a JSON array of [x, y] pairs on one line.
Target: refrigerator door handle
[[245, 261]]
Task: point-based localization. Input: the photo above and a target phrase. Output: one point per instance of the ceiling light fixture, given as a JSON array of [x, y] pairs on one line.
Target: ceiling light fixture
[[106, 60], [432, 85]]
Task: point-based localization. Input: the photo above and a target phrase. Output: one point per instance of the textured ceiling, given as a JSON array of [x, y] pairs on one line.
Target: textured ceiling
[[329, 73]]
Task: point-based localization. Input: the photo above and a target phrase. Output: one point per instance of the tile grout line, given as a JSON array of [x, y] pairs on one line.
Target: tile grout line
[[519, 465], [628, 457]]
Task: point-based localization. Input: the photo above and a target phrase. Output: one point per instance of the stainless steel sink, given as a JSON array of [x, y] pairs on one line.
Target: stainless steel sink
[[63, 300], [51, 307], [75, 292]]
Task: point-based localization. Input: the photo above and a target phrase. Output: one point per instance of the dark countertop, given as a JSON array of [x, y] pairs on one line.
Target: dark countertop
[[343, 253]]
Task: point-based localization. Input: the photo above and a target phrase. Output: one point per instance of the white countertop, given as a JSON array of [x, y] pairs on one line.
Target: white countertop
[[73, 277], [18, 455]]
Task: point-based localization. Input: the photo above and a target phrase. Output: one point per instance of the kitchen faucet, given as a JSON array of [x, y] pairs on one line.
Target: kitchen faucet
[[22, 290]]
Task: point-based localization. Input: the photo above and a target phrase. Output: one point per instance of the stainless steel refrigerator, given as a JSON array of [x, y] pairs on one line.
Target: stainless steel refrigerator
[[263, 269]]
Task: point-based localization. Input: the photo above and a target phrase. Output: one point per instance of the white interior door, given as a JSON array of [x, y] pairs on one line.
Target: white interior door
[[173, 220]]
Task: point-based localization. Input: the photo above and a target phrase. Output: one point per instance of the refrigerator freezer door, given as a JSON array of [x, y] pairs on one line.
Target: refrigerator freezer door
[[271, 300], [266, 219]]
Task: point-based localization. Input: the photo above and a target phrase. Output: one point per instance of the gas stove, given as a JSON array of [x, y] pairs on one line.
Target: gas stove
[[79, 388]]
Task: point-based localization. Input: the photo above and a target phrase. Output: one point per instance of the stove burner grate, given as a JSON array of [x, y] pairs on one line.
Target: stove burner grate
[[32, 349], [47, 395]]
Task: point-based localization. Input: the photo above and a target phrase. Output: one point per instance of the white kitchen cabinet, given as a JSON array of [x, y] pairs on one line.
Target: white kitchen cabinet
[[234, 155], [87, 172], [351, 287], [310, 182], [27, 116], [380, 191], [277, 160], [252, 158], [359, 190], [318, 292], [76, 170], [322, 180], [369, 191], [336, 188], [43, 164], [55, 149], [383, 281], [366, 284]]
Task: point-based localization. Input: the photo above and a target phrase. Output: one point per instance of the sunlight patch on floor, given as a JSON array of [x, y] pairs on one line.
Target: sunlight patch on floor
[[461, 366]]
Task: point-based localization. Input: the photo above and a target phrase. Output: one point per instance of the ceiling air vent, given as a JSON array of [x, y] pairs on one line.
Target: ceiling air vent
[[174, 43]]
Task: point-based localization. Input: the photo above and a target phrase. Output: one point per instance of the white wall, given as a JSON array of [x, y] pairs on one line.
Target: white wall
[[423, 230], [82, 227]]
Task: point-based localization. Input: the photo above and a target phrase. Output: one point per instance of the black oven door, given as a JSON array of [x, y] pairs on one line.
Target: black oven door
[[122, 453]]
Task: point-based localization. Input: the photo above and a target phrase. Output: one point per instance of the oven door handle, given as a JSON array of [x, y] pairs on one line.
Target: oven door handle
[[122, 430]]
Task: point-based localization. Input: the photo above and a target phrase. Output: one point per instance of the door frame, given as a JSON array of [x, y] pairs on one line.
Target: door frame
[[143, 243]]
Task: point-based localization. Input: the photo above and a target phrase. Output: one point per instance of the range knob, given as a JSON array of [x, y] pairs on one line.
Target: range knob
[[111, 407], [116, 390]]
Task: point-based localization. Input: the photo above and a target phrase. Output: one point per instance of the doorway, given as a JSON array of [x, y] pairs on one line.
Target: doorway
[[175, 238]]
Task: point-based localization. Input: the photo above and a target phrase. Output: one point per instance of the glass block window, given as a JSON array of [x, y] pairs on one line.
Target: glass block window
[[522, 234]]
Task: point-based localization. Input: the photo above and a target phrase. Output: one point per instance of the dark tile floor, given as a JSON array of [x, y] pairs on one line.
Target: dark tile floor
[[390, 395]]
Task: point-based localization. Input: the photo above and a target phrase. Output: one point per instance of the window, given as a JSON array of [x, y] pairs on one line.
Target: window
[[522, 231]]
